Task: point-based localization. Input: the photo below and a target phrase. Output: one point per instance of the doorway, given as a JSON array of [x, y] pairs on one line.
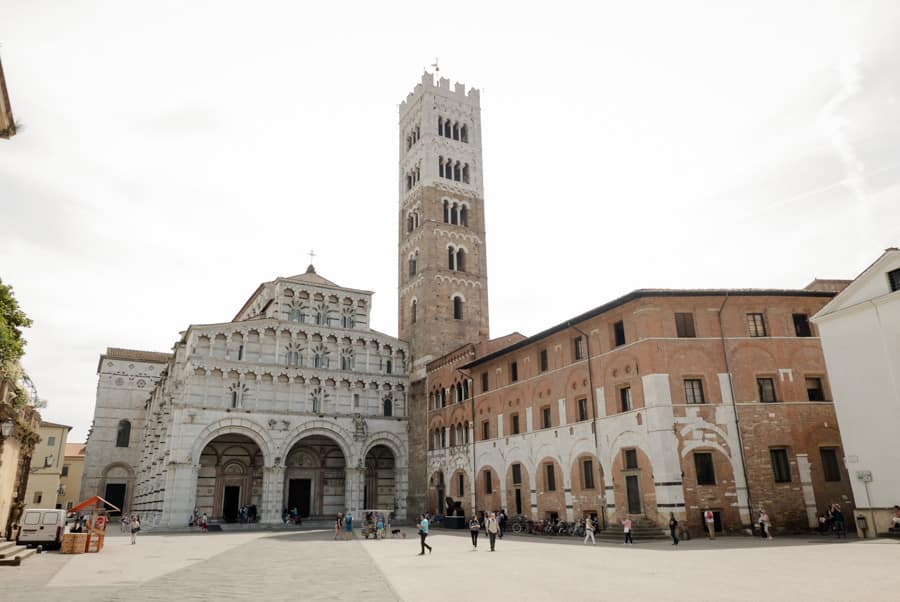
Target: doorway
[[231, 502], [299, 496], [633, 494], [115, 495], [518, 501]]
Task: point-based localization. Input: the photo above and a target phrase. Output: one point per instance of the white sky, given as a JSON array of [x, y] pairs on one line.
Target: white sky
[[177, 154]]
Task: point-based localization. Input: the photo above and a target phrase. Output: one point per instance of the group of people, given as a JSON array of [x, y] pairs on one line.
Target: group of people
[[833, 520], [248, 514], [199, 520], [291, 516], [343, 526], [491, 525]]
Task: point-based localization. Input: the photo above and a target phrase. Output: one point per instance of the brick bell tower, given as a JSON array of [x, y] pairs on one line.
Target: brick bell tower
[[443, 297]]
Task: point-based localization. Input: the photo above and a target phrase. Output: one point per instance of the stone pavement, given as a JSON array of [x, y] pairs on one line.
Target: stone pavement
[[309, 565]]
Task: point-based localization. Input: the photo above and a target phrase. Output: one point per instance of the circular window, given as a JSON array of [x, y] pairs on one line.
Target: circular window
[[120, 381], [141, 382]]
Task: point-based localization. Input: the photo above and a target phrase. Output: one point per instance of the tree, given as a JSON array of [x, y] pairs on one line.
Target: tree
[[12, 320]]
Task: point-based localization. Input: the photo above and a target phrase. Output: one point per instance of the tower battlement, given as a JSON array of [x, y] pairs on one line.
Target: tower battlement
[[442, 88]]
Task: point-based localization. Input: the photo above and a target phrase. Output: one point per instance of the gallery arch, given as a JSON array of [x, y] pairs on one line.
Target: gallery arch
[[230, 476], [314, 477], [380, 486]]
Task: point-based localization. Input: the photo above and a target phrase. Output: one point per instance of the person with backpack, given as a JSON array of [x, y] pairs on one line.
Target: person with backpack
[[492, 526]]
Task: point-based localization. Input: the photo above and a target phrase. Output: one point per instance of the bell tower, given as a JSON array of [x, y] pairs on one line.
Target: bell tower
[[443, 297]]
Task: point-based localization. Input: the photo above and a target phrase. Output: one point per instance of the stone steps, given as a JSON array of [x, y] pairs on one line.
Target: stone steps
[[12, 554]]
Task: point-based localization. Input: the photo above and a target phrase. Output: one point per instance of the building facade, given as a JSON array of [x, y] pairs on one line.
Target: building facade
[[295, 403], [442, 262], [46, 466], [69, 492], [7, 123], [125, 378], [860, 330], [642, 407]]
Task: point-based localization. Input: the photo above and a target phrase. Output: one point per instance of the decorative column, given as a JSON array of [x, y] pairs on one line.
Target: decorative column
[[180, 495], [272, 495], [401, 489], [354, 481]]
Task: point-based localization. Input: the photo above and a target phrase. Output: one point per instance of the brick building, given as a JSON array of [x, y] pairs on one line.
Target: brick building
[[629, 407]]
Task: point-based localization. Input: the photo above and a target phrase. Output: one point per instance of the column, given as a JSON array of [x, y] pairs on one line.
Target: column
[[180, 495], [567, 491], [401, 489], [663, 445], [354, 481], [272, 495]]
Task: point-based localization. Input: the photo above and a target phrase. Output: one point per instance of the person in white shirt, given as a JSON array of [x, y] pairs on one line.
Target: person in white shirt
[[492, 526], [589, 530], [710, 520]]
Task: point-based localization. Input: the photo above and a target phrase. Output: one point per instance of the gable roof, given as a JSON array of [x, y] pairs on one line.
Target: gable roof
[[75, 449], [870, 284]]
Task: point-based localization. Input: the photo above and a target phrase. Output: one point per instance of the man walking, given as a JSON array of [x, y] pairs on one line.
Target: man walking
[[423, 533], [492, 527], [710, 520], [589, 530]]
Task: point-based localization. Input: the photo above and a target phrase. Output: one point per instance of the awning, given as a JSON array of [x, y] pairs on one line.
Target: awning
[[92, 502]]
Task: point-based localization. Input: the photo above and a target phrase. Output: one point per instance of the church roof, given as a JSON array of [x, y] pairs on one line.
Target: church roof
[[310, 276], [137, 355]]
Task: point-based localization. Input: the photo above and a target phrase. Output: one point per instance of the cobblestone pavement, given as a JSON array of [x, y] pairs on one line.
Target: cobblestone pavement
[[309, 565]]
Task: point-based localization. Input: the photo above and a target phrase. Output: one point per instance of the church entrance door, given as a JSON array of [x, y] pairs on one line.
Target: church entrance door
[[115, 495], [633, 494], [298, 495], [231, 501]]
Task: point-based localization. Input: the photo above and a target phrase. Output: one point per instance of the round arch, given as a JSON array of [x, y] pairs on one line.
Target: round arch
[[390, 441], [238, 426], [341, 437]]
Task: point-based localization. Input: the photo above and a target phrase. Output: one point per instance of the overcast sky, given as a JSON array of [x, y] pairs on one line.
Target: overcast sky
[[174, 155]]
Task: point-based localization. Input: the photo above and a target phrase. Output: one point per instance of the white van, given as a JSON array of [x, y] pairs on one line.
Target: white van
[[41, 526]]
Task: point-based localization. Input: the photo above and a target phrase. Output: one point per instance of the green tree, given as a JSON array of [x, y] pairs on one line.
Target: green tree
[[12, 321]]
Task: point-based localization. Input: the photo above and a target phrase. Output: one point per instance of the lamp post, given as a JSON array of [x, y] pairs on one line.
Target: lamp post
[[6, 428]]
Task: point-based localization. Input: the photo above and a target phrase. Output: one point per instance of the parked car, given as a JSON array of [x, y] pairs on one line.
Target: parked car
[[42, 526]]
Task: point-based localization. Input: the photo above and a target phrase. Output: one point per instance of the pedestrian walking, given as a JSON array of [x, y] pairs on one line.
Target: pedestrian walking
[[423, 533], [626, 526], [204, 523], [764, 524], [337, 526], [710, 519], [673, 528], [589, 530], [135, 524], [837, 520], [492, 526], [474, 528], [125, 521], [501, 520]]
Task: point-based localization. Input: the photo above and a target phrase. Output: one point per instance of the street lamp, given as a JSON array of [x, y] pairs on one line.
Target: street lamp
[[6, 428]]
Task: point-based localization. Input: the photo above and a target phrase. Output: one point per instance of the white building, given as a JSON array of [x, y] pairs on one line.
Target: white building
[[294, 403], [860, 332]]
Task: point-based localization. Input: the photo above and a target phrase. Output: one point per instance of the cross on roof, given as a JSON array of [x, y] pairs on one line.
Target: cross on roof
[[311, 255]]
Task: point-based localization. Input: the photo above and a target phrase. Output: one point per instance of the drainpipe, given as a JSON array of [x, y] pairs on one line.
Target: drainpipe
[[734, 407], [587, 340]]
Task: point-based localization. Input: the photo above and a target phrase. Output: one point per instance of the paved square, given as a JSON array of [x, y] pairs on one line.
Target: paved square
[[309, 565]]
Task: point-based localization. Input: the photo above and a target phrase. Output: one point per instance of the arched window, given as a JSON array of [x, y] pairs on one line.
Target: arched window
[[123, 434], [459, 392], [234, 399], [465, 386], [456, 131], [457, 308], [464, 133], [409, 223], [446, 211], [466, 432], [457, 172], [463, 216], [294, 315], [461, 260], [451, 258], [413, 311], [440, 126], [413, 260], [389, 366], [388, 407], [465, 173], [454, 214], [441, 166]]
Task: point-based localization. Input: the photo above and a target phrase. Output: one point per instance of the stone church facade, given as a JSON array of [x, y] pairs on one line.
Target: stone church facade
[[294, 403]]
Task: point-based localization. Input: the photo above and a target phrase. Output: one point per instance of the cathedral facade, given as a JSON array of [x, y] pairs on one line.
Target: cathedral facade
[[295, 403]]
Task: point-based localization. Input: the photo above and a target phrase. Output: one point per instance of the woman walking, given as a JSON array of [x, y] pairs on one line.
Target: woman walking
[[589, 530], [626, 526], [764, 524], [474, 528], [337, 526], [673, 528], [135, 524]]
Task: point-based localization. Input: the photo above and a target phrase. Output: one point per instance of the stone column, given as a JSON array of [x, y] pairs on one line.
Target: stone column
[[663, 444], [401, 489], [567, 493], [272, 495], [354, 481], [180, 495]]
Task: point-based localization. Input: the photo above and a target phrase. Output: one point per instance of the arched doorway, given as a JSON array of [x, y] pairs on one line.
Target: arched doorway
[[378, 493], [314, 477], [230, 476]]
